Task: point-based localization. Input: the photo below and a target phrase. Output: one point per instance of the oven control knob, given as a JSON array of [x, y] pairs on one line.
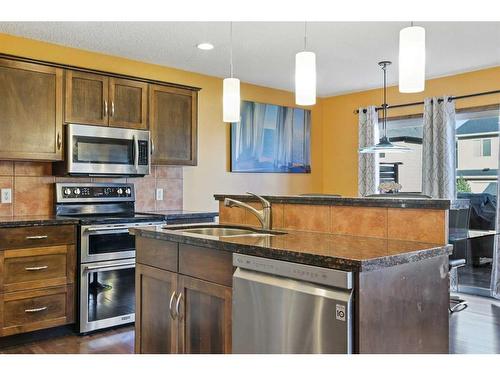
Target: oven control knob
[[67, 191], [76, 191], [127, 191], [120, 191]]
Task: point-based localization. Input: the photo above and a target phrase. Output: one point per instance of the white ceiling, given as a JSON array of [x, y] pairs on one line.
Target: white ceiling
[[347, 52]]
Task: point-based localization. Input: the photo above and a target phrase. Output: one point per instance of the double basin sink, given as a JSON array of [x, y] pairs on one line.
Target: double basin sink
[[224, 231]]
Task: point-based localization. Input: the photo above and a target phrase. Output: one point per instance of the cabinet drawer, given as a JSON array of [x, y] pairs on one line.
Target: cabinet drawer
[[157, 253], [37, 268], [36, 309], [25, 237], [206, 264]]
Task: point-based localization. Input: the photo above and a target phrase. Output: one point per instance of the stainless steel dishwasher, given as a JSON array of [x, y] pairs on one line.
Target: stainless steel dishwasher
[[284, 307]]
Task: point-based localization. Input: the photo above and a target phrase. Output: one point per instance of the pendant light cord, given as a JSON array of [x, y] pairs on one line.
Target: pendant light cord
[[305, 35], [231, 49], [384, 122]]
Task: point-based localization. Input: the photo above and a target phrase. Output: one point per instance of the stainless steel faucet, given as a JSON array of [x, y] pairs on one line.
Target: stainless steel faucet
[[263, 215]]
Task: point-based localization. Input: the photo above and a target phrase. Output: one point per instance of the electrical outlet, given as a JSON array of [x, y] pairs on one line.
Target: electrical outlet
[[159, 194], [6, 196]]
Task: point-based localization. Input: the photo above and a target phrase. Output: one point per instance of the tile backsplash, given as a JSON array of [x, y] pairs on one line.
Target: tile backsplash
[[32, 185]]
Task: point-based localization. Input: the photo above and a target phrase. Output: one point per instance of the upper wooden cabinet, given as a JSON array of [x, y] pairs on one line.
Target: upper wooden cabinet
[[173, 125], [37, 98], [30, 111], [86, 98], [129, 103], [100, 100]]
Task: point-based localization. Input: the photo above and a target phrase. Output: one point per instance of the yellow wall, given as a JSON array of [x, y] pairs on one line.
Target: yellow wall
[[340, 128], [212, 173]]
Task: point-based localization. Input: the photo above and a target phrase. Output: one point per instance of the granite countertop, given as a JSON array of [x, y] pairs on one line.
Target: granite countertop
[[182, 214], [348, 253], [29, 221], [331, 200]]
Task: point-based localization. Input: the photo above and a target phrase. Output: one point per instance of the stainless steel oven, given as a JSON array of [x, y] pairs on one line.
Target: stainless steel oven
[[107, 266], [99, 150], [107, 294], [106, 249]]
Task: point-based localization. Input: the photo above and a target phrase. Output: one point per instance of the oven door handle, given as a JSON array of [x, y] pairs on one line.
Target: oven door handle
[[107, 230], [109, 267], [136, 152]]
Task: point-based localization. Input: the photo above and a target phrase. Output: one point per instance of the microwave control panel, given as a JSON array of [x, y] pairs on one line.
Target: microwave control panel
[[143, 153]]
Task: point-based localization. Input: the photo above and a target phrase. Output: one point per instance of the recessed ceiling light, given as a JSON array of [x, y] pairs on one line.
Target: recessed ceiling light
[[205, 46]]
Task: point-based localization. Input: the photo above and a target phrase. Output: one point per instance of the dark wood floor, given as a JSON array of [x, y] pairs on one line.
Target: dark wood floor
[[113, 341], [474, 330], [477, 328]]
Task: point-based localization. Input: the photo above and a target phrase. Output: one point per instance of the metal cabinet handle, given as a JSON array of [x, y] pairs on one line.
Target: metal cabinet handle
[[152, 146], [36, 237], [112, 108], [59, 141], [172, 312], [105, 108], [36, 268], [38, 309], [177, 306]]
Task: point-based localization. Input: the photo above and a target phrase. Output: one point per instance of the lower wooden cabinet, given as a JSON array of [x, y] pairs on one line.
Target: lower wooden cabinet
[[37, 278], [177, 313], [155, 330], [204, 317], [35, 309]]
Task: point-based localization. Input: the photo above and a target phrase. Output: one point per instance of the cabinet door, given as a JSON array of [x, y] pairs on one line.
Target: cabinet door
[[204, 317], [129, 103], [30, 111], [155, 330], [173, 125], [86, 98]]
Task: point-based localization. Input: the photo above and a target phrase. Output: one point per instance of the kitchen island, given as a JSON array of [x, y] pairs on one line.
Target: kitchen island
[[399, 286]]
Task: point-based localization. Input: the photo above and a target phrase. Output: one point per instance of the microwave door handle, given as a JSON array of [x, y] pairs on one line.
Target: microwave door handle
[[136, 152]]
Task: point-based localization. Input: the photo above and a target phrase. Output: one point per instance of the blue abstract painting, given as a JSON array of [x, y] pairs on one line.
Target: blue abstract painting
[[271, 138]]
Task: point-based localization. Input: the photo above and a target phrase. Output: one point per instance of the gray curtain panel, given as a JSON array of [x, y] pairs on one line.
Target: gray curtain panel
[[368, 164], [438, 148]]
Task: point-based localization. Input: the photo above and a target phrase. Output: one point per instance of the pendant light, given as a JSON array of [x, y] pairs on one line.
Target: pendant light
[[231, 90], [384, 145], [305, 75], [412, 59]]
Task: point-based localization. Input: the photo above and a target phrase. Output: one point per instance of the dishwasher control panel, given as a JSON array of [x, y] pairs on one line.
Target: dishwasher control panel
[[313, 274]]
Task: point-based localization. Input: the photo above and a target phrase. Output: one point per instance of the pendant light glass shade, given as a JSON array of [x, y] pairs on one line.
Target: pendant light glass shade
[[384, 146], [231, 100], [412, 59], [305, 78]]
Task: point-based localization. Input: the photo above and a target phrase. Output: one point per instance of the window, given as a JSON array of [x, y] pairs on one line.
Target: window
[[482, 147], [406, 168], [477, 145]]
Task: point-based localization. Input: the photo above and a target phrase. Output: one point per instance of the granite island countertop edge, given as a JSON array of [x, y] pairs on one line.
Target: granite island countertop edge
[[345, 264]]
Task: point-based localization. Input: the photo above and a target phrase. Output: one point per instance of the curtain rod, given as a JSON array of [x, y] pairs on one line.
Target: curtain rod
[[356, 111]]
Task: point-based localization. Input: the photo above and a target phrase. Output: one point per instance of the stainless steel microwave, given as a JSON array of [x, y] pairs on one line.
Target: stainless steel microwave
[[103, 151]]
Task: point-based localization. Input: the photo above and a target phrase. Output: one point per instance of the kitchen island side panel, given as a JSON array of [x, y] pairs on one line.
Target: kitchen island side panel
[[403, 309]]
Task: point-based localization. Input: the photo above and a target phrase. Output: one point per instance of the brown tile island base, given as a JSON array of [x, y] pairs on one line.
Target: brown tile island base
[[184, 287]]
